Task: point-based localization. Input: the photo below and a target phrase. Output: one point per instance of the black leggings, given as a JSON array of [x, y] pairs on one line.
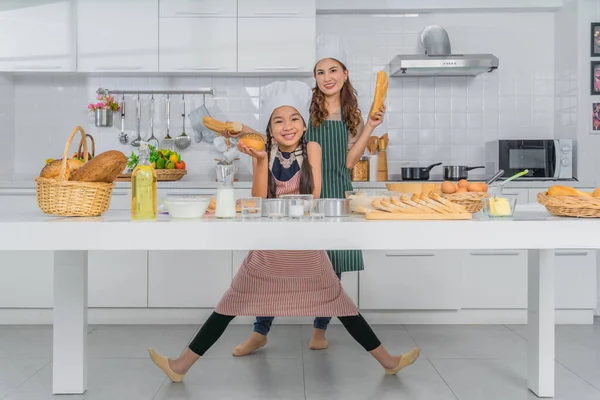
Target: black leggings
[[216, 324]]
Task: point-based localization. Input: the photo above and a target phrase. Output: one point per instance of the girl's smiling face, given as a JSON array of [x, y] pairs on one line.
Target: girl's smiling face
[[330, 76], [287, 127]]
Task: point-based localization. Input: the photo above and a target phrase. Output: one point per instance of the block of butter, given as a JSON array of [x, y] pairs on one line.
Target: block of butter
[[499, 206]]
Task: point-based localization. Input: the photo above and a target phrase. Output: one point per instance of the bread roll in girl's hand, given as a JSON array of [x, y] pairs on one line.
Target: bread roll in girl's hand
[[253, 141], [559, 190], [381, 87]]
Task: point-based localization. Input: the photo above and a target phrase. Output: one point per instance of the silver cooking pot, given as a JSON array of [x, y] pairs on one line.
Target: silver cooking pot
[[457, 172]]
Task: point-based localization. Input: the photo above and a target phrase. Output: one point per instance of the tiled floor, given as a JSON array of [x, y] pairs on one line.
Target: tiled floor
[[457, 362]]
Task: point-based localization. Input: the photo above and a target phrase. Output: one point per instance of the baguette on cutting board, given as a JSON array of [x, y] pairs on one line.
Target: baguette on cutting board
[[381, 87]]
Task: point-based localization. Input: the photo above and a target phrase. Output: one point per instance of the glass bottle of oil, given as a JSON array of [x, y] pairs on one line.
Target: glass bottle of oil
[[143, 187]]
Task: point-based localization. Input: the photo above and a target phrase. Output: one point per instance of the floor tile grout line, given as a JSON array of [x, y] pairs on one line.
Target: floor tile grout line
[[442, 378], [27, 380], [576, 374], [159, 388], [302, 358]]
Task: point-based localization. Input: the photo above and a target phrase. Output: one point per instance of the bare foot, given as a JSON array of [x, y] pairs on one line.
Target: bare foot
[[318, 340], [253, 343]]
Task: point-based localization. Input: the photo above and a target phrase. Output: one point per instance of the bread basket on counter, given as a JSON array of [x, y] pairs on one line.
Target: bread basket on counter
[[73, 198], [571, 206], [469, 200]]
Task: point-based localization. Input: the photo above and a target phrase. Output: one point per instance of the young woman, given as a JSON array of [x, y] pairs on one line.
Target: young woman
[[337, 126], [267, 280]]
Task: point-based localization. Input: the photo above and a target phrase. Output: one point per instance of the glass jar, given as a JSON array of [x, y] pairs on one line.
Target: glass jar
[[360, 172]]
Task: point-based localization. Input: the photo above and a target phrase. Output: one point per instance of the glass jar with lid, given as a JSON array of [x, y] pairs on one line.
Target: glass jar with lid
[[360, 172]]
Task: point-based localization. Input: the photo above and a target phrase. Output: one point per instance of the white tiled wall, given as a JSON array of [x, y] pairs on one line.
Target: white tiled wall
[[7, 124], [428, 120]]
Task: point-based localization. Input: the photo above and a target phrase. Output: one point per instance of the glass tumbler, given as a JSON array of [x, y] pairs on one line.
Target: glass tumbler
[[251, 207]]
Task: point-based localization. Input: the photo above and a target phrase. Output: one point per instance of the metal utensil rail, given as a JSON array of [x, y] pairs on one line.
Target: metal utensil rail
[[169, 92]]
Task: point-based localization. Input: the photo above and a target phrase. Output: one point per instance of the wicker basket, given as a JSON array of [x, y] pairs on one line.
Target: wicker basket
[[470, 200], [571, 206], [162, 175], [72, 198]]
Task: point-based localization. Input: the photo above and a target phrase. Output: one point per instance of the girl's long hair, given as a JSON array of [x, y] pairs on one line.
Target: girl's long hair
[[348, 101], [307, 183]]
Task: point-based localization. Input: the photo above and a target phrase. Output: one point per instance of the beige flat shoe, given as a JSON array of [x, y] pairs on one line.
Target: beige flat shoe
[[163, 363], [242, 350], [318, 344], [406, 360]]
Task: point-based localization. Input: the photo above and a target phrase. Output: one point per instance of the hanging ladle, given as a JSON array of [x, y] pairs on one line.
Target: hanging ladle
[[183, 141]]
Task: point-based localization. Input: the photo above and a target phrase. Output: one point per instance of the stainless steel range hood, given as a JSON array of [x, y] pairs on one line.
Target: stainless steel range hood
[[438, 59]]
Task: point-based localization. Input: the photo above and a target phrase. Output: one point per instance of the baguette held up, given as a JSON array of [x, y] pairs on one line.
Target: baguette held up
[[381, 87], [221, 127]]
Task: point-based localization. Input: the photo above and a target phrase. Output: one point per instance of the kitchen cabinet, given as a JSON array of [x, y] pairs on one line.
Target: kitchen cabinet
[[495, 279], [118, 278], [198, 45], [522, 195], [575, 278], [132, 45], [408, 280], [198, 8], [38, 35], [188, 278], [276, 8], [291, 49], [18, 200], [27, 279]]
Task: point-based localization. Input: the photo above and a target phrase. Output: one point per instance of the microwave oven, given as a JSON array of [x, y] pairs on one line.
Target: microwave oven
[[551, 159]]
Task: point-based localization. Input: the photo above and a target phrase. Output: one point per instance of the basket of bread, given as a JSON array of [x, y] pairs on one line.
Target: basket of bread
[[79, 187], [566, 201], [467, 194]]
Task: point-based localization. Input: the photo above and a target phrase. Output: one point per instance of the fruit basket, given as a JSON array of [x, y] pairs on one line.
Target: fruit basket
[[73, 198], [571, 206], [168, 165]]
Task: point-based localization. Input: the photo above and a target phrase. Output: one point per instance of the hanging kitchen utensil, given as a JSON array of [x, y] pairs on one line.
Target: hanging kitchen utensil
[[382, 168], [123, 137], [417, 173], [138, 111], [152, 141], [183, 141], [495, 177], [201, 132], [167, 142], [457, 172]]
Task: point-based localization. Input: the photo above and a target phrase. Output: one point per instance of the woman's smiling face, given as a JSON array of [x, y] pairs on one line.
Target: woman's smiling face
[[330, 76], [287, 127]]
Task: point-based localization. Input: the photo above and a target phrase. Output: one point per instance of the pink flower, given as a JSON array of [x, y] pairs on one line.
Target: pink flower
[[90, 107], [100, 105], [99, 97]]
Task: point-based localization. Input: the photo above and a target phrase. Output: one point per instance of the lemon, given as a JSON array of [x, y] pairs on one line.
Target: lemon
[[174, 158]]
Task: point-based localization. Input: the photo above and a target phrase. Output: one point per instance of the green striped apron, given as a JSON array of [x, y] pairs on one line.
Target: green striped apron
[[333, 138]]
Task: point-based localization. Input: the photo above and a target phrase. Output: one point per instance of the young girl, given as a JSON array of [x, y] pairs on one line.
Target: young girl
[[337, 126], [290, 283]]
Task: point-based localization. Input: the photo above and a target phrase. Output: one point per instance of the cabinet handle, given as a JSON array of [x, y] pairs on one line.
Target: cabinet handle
[[119, 68], [393, 254], [277, 13], [199, 68], [21, 67], [484, 253], [571, 253], [198, 12], [277, 68]]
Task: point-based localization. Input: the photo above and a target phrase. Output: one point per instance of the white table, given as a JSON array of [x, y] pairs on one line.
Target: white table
[[71, 238]]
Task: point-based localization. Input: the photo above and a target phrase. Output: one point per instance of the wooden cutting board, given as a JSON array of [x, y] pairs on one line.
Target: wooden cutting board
[[382, 215]]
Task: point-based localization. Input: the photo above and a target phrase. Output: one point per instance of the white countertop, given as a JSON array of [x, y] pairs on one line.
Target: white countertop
[[531, 228]]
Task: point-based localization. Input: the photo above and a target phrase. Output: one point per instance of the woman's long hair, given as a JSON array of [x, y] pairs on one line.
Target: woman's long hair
[[348, 102], [307, 183]]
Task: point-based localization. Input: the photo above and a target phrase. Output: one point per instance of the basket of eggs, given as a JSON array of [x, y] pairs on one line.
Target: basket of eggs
[[566, 201], [467, 194]]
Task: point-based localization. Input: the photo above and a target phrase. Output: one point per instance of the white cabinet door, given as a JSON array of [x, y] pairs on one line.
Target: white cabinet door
[[277, 8], [27, 279], [276, 45], [494, 279], [198, 8], [131, 44], [188, 278], [198, 45], [117, 278], [575, 279], [38, 35], [407, 280], [19, 200]]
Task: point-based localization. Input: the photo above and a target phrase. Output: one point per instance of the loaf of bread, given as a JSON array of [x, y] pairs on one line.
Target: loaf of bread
[[559, 190], [380, 93], [103, 168], [221, 127], [52, 169], [253, 141]]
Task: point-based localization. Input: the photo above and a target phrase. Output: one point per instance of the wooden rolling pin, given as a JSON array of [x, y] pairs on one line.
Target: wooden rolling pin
[[382, 169]]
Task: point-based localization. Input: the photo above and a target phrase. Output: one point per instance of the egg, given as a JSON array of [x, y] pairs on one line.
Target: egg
[[461, 190], [463, 183], [448, 187], [477, 187]]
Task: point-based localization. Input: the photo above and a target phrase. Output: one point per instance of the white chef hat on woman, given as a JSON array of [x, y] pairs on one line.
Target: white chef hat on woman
[[330, 46], [285, 93]]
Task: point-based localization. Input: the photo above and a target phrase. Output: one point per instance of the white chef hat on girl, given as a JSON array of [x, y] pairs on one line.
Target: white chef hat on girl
[[330, 46], [285, 93]]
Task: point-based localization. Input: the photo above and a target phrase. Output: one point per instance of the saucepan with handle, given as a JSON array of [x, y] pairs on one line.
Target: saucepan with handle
[[417, 173], [457, 172]]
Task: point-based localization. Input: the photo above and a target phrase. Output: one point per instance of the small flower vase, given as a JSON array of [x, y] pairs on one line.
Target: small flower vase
[[104, 117]]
